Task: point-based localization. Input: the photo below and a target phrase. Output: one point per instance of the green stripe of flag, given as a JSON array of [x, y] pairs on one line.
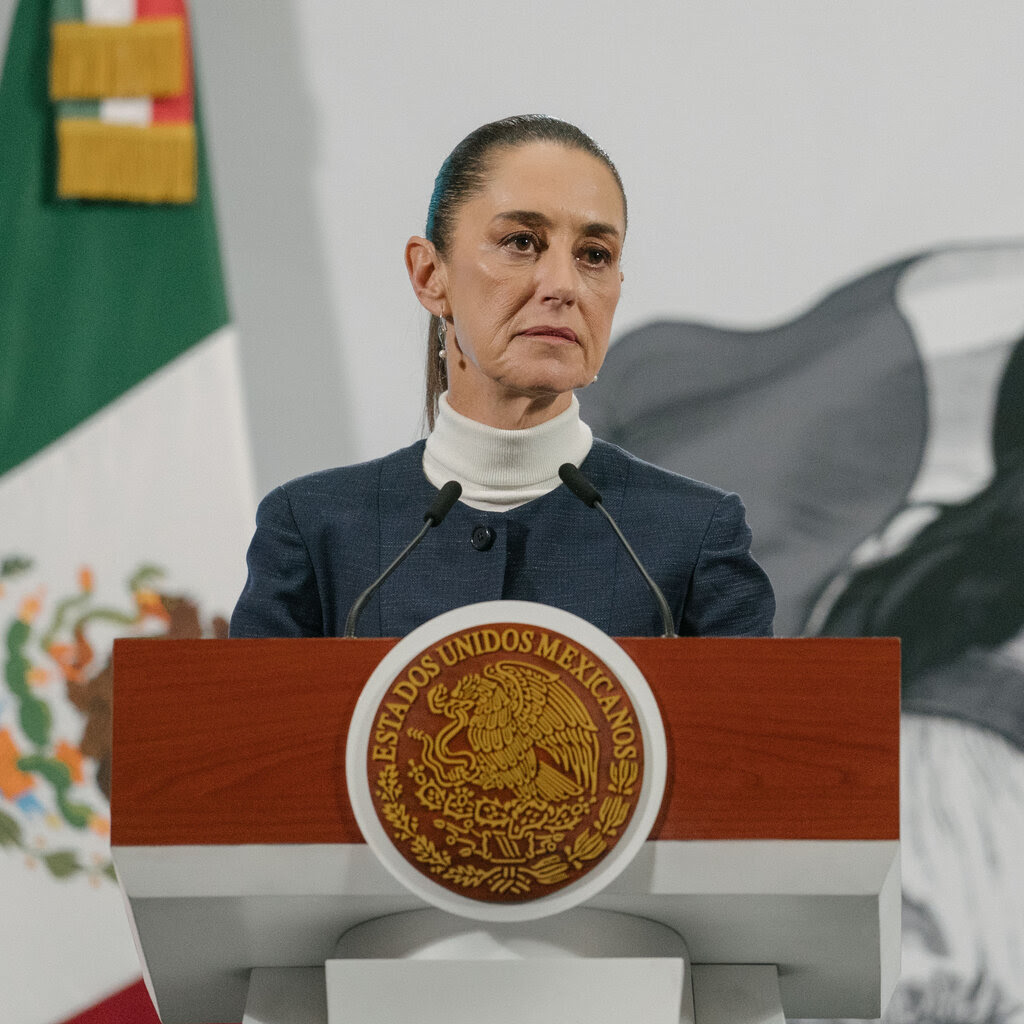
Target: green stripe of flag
[[94, 297], [78, 108], [67, 10]]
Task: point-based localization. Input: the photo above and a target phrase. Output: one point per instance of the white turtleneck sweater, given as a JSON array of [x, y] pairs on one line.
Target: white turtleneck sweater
[[501, 469]]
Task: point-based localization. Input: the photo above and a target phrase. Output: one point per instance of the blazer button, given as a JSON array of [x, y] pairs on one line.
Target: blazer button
[[482, 538]]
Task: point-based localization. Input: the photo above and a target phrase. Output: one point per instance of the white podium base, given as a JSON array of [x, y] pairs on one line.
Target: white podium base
[[737, 994], [583, 932], [429, 967], [602, 991], [378, 990], [286, 995], [597, 967], [827, 912]]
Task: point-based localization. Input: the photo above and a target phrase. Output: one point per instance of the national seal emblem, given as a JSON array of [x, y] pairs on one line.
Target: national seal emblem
[[504, 761]]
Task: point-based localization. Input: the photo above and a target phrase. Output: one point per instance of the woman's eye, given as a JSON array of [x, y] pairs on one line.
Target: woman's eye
[[595, 256], [523, 242]]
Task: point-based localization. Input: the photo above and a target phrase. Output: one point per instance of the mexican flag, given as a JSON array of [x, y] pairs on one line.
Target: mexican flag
[[125, 489]]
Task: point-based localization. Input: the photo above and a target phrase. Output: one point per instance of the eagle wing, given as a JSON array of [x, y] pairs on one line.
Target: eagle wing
[[537, 708], [504, 751]]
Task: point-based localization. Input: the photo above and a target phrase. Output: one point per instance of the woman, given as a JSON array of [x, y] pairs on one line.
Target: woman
[[520, 271]]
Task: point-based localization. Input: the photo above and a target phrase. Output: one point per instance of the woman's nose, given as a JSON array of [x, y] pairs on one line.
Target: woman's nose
[[557, 276]]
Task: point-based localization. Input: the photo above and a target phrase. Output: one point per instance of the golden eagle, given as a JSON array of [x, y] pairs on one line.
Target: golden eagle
[[508, 711]]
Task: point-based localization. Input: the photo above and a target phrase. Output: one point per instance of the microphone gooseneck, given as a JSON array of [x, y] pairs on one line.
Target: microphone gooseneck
[[583, 489], [434, 516]]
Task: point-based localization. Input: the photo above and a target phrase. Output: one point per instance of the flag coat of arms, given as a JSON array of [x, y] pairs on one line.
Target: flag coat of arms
[[126, 497]]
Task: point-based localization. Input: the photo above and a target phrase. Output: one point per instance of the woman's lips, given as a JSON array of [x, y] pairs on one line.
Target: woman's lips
[[550, 332]]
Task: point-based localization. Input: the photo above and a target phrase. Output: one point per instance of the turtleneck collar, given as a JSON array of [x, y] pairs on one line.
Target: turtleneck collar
[[500, 469]]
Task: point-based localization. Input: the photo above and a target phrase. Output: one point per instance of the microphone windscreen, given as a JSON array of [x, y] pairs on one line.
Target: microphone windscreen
[[446, 498], [579, 484]]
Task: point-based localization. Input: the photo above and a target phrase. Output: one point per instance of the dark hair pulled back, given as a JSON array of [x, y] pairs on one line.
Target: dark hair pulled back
[[464, 173]]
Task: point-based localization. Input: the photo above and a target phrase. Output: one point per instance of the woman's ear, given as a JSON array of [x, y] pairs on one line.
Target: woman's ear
[[426, 274]]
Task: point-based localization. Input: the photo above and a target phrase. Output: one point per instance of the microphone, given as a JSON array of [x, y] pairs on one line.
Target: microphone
[[434, 516], [589, 495]]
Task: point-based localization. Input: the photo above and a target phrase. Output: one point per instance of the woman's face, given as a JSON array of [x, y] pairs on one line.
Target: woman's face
[[531, 283]]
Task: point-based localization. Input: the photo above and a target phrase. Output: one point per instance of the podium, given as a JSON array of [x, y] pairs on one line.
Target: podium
[[776, 845]]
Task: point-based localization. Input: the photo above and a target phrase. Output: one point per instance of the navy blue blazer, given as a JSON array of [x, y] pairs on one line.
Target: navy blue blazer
[[321, 539]]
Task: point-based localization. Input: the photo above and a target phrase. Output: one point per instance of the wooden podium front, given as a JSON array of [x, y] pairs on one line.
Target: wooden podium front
[[777, 840]]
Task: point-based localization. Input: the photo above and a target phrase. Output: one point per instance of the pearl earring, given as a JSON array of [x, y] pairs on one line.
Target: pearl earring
[[442, 338]]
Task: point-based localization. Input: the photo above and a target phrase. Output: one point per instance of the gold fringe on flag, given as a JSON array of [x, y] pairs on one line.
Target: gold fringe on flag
[[154, 164], [146, 58]]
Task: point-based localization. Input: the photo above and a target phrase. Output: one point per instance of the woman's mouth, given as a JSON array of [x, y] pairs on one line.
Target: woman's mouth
[[546, 331]]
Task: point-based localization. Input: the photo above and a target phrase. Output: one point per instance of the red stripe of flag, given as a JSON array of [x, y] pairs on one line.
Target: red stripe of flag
[[172, 109], [129, 1006]]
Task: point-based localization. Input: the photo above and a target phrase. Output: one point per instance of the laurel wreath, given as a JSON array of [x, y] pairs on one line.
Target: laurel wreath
[[505, 879]]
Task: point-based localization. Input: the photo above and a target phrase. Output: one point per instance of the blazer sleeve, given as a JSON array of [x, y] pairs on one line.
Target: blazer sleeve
[[281, 597], [730, 594]]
